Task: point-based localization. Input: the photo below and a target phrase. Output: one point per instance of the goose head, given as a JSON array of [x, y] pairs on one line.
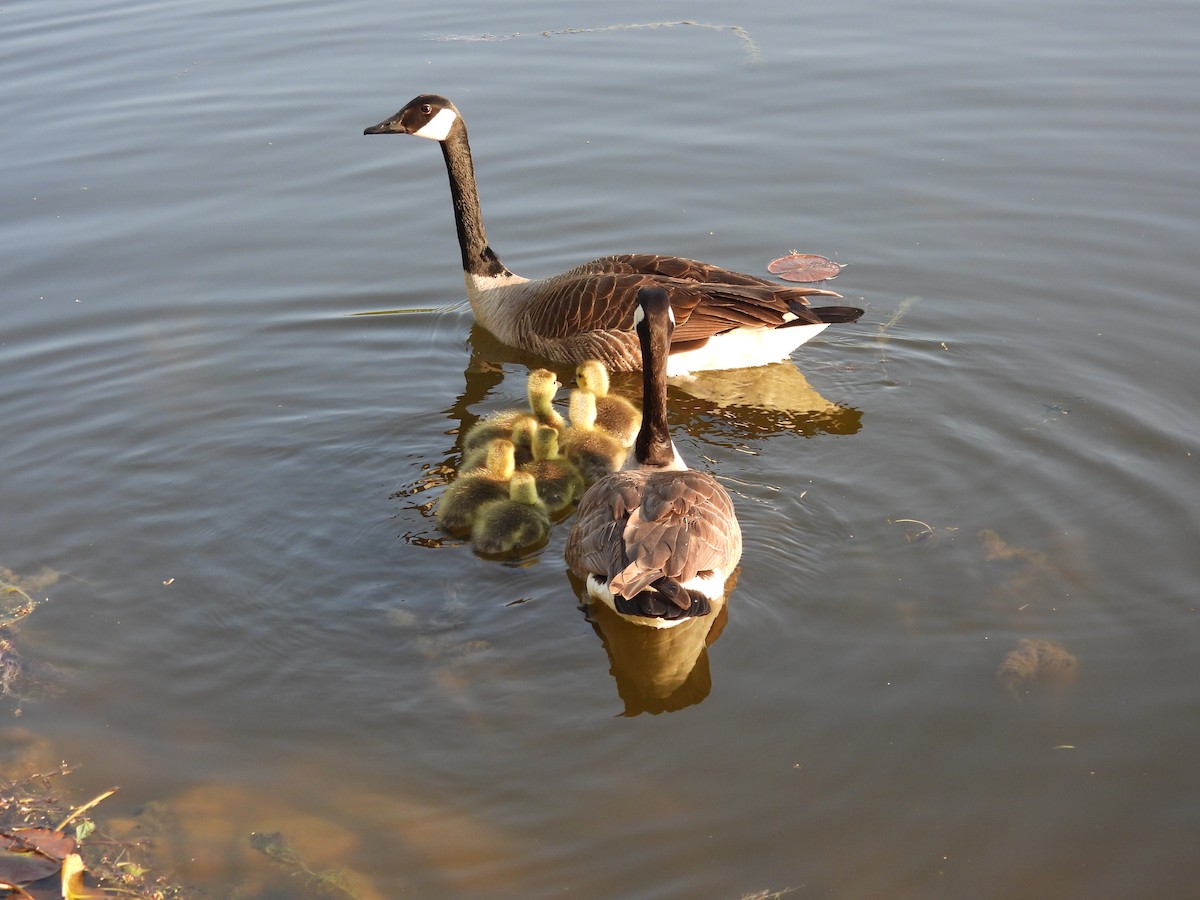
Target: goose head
[[655, 304], [428, 116], [542, 386]]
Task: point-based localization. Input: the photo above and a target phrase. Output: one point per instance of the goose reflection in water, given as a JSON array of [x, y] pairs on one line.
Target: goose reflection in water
[[657, 670], [757, 402]]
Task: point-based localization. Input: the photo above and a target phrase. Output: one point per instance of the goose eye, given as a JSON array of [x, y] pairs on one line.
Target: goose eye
[[426, 108]]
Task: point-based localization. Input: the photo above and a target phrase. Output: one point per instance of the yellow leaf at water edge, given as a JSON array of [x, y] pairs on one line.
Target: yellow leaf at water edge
[[73, 887]]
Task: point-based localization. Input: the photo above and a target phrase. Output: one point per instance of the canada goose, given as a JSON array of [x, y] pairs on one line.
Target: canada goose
[[655, 542], [541, 388], [521, 435], [520, 520], [724, 319], [456, 508], [616, 415], [594, 452], [559, 483]]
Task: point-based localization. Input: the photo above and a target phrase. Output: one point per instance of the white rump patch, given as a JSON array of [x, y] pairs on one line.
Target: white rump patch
[[437, 128], [743, 348]]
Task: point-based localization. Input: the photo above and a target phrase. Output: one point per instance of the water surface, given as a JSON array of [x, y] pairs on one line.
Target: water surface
[[256, 622]]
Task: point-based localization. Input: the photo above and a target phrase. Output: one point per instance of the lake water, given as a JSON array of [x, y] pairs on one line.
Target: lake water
[[256, 625]]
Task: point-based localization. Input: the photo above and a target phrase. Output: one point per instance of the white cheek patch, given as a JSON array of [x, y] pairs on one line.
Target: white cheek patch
[[437, 128]]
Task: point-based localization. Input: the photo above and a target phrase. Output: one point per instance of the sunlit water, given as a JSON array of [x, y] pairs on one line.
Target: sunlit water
[[257, 624]]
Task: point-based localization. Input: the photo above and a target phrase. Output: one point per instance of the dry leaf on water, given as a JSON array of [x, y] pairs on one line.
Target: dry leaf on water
[[804, 267], [30, 854], [54, 844]]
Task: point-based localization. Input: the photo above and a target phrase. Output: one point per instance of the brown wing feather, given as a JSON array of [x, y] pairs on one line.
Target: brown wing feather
[[587, 312], [670, 267], [580, 301]]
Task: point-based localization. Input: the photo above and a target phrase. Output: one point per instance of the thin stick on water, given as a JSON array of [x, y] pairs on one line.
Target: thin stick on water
[[738, 31]]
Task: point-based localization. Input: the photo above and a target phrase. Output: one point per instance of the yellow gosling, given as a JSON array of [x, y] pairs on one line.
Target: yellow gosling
[[541, 388], [521, 520], [456, 508], [614, 414], [559, 483], [594, 452]]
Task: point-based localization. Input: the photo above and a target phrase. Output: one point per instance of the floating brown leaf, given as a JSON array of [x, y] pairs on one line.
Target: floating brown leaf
[[21, 864], [804, 267], [53, 844]]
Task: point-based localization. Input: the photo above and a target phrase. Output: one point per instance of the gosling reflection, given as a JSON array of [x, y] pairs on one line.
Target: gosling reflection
[[657, 670], [742, 403]]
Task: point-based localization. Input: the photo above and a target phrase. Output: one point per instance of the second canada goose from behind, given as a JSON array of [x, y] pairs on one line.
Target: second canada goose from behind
[[723, 319], [658, 541]]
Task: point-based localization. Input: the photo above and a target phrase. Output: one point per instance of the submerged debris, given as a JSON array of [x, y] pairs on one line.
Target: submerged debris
[[1038, 665], [323, 883], [21, 679]]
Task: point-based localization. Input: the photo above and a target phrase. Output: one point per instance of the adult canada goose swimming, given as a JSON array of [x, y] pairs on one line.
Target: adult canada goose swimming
[[614, 414], [594, 452], [502, 526], [456, 508], [723, 319], [559, 483], [541, 388], [655, 542]]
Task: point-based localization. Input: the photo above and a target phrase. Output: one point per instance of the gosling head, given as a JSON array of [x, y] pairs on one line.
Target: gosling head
[[592, 376]]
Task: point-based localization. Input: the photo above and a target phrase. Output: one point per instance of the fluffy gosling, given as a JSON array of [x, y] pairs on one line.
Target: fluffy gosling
[[559, 483], [614, 414], [521, 520], [456, 508]]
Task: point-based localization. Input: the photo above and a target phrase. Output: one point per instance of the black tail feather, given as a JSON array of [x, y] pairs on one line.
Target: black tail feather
[[665, 599], [835, 314]]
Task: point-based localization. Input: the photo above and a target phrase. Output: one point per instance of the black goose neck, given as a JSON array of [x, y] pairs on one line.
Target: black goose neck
[[653, 446], [478, 258]]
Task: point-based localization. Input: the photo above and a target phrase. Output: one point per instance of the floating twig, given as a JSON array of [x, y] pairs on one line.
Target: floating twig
[[80, 810], [914, 522], [739, 32]]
